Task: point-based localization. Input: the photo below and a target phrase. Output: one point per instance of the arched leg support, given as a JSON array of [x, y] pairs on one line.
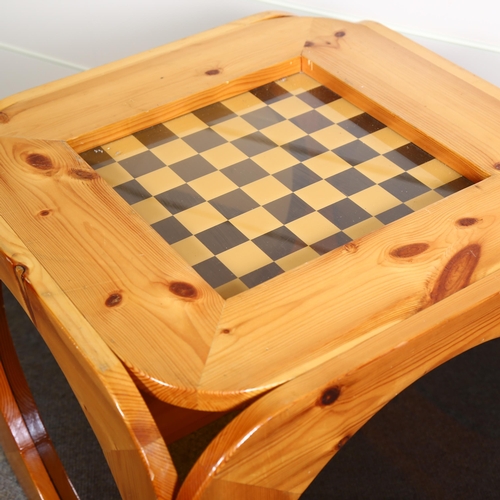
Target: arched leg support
[[277, 446]]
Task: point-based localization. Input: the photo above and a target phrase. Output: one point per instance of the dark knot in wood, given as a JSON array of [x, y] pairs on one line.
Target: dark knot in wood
[[184, 290], [4, 117], [340, 34], [407, 251], [86, 175], [39, 161], [309, 44], [212, 72], [329, 396], [114, 299], [467, 221]]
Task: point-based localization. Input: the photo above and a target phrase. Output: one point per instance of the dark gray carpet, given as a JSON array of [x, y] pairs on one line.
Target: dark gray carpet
[[439, 439]]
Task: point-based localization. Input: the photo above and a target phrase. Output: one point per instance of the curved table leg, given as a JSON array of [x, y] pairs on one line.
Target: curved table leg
[[278, 445]]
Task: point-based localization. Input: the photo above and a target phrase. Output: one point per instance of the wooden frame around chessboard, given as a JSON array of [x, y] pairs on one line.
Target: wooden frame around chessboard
[[321, 347]]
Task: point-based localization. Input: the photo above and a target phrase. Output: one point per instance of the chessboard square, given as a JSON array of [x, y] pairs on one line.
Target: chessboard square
[[174, 151], [298, 83], [395, 213], [214, 272], [244, 258], [320, 194], [224, 155], [154, 136], [350, 181], [262, 275], [180, 198], [355, 153], [434, 174], [204, 139], [379, 169], [266, 190], [255, 223], [453, 186], [124, 148], [171, 230], [132, 192], [384, 140], [234, 203], [243, 103], [291, 107], [327, 164], [200, 218], [362, 125], [288, 208], [254, 144], [297, 177], [375, 200], [234, 128], [141, 164], [304, 148], [311, 121], [404, 187], [331, 243], [221, 237], [263, 117], [363, 228], [114, 174], [339, 110], [151, 210], [96, 157], [312, 228], [408, 156], [278, 243], [274, 160], [333, 137], [270, 93], [160, 180], [318, 96], [283, 132], [244, 172], [231, 289], [214, 113], [192, 168], [213, 185], [424, 200], [192, 250], [185, 125], [344, 213], [296, 259]]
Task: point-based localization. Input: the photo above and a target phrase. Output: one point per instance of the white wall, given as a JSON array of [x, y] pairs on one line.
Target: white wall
[[42, 40]]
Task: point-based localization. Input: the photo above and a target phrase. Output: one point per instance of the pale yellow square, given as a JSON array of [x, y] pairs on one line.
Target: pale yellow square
[[283, 132], [185, 125], [298, 83], [160, 180], [274, 160], [243, 103], [290, 107], [327, 164], [339, 110], [384, 140], [224, 155], [231, 289], [174, 151], [124, 148], [201, 217], [375, 200], [151, 210], [297, 258], [255, 223], [320, 194], [234, 128], [312, 228], [114, 174], [212, 185], [379, 169], [363, 228], [266, 190], [192, 250], [424, 200], [333, 137], [244, 258], [434, 174]]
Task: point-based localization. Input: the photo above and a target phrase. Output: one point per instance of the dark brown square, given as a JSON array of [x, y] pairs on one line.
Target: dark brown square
[[204, 140], [97, 157], [304, 148], [408, 156], [271, 92], [244, 172], [141, 164], [331, 242], [132, 192], [394, 213], [344, 213], [180, 198], [260, 275], [214, 272], [233, 203], [311, 121], [254, 144], [297, 177], [221, 237], [214, 113], [404, 187], [361, 125], [279, 242], [318, 96], [454, 186], [288, 208], [355, 152], [192, 168], [154, 136], [350, 181]]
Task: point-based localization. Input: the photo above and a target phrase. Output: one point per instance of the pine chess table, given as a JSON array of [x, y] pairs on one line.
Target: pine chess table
[[286, 220]]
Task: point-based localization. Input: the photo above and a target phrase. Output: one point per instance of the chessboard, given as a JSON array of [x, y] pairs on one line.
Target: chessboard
[[253, 186]]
